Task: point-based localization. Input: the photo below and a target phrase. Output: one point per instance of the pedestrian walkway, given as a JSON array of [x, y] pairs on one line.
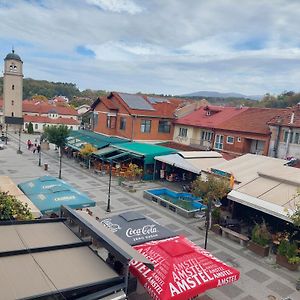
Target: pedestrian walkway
[[261, 279]]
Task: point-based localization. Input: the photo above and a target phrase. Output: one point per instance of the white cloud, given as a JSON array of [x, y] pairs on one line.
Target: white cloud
[[170, 46], [118, 6]]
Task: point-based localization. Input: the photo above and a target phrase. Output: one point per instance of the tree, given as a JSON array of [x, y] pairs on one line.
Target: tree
[[87, 151], [212, 189], [57, 135], [30, 128], [295, 216], [41, 98], [13, 209]]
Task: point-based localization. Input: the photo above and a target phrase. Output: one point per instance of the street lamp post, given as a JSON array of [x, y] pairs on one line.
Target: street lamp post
[[19, 148], [40, 157], [210, 204], [109, 186], [6, 134], [60, 155]]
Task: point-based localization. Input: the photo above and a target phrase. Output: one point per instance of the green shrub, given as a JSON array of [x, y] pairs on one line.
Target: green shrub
[[294, 260], [30, 128], [287, 249], [261, 234]]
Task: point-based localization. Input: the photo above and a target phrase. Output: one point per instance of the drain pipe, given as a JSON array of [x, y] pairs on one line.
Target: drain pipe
[[289, 135]]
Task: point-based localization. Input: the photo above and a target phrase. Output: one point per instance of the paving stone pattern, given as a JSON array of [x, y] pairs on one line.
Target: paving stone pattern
[[259, 279]]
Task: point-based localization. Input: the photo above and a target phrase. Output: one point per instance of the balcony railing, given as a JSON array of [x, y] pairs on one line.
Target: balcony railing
[[203, 145]]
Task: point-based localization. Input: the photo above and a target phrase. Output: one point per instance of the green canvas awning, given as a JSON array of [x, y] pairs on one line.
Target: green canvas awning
[[115, 157], [104, 151]]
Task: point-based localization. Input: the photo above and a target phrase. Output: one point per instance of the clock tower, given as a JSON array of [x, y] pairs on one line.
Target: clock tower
[[13, 92]]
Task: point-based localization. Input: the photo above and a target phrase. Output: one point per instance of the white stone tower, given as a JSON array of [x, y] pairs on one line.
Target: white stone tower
[[13, 92]]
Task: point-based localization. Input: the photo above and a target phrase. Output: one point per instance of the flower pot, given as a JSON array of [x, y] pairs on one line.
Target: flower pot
[[259, 249], [216, 229], [283, 261], [298, 285]]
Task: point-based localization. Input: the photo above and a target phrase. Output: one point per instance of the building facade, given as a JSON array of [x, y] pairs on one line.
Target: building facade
[[135, 117], [285, 134], [234, 130]]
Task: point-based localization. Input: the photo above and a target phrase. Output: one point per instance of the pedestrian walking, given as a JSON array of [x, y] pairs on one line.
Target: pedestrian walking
[[34, 148], [29, 144], [38, 148]]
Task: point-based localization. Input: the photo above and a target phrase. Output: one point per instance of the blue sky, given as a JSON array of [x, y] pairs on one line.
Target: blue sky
[[157, 46]]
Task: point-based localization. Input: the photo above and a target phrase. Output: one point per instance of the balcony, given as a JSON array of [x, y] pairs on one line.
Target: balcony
[[202, 145]]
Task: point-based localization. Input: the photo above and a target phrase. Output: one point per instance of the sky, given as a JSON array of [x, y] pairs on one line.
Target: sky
[[157, 46]]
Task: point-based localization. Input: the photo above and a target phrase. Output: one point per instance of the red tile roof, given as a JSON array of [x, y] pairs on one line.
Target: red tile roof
[[285, 118], [41, 119], [218, 115], [44, 108], [163, 109], [252, 120]]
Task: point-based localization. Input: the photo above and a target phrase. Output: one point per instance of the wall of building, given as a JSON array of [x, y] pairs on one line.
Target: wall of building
[[184, 140], [243, 142], [133, 125], [39, 127]]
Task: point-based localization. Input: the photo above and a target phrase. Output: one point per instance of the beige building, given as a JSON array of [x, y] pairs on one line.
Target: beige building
[[13, 91]]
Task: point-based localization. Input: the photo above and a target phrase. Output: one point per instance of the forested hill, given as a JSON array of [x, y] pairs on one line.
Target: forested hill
[[49, 89]]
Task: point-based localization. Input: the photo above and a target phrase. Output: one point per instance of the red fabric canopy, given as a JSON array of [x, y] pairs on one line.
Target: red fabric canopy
[[181, 269]]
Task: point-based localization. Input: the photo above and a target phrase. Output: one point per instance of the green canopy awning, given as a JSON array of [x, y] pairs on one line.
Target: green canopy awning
[[115, 157], [104, 151]]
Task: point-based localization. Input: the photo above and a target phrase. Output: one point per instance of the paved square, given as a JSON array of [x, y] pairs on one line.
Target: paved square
[[280, 288], [257, 275], [231, 291]]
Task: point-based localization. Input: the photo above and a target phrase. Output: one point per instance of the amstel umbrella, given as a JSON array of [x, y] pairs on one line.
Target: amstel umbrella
[[182, 270]]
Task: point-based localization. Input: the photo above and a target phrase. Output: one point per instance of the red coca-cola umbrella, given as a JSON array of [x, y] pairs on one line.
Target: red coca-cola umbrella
[[182, 270]]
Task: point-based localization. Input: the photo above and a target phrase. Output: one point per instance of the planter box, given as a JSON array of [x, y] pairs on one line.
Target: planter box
[[258, 249], [216, 229], [283, 261]]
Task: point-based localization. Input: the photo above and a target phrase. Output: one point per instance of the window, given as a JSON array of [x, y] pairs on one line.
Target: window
[[36, 126], [95, 120], [230, 140], [111, 122], [123, 123], [285, 136], [12, 114], [239, 139], [13, 87], [71, 127], [12, 102], [219, 142], [145, 125], [206, 136], [183, 132], [296, 138], [164, 126]]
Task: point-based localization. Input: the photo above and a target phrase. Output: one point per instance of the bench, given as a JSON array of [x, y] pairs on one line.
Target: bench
[[226, 231]]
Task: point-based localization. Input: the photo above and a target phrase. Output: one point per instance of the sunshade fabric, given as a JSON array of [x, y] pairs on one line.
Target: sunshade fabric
[[148, 151], [134, 228], [182, 270], [49, 193], [104, 151], [177, 161], [95, 139], [261, 205]]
